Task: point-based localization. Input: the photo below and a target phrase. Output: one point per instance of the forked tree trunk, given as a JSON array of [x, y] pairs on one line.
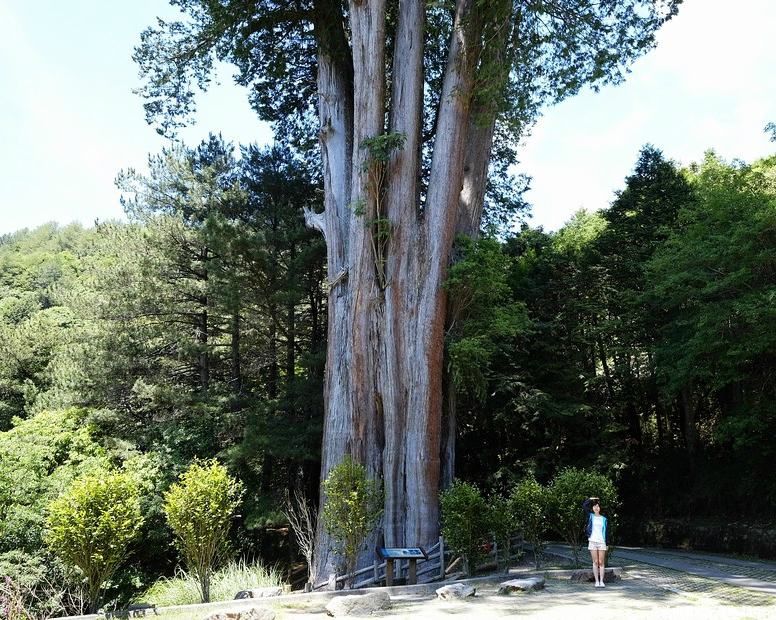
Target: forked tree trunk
[[383, 389]]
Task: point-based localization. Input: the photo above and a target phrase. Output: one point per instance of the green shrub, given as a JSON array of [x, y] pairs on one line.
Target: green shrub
[[353, 507], [40, 457], [199, 511], [567, 491], [528, 502], [91, 525], [502, 525], [184, 588], [465, 522]]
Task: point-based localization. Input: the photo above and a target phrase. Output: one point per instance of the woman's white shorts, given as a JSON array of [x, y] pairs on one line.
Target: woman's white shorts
[[596, 546]]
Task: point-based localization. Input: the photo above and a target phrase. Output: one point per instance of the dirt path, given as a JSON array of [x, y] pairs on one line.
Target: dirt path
[[637, 596]]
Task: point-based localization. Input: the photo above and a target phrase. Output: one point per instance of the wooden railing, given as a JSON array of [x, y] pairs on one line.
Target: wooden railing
[[375, 574]]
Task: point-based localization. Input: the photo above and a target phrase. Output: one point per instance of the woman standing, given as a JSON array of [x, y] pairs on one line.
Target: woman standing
[[597, 538]]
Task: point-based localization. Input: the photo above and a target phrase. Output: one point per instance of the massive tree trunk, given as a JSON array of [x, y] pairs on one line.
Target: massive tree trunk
[[386, 301]]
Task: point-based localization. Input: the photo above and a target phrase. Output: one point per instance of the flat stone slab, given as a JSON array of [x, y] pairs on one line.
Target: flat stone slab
[[259, 593], [456, 591], [586, 574], [358, 604], [245, 613], [521, 585]]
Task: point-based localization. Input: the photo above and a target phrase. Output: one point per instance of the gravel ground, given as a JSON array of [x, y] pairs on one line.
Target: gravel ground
[[645, 593]]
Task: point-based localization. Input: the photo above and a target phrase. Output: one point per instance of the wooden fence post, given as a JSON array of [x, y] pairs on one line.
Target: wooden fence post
[[441, 557]]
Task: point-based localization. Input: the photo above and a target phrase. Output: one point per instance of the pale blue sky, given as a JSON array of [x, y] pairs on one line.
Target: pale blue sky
[[69, 121]]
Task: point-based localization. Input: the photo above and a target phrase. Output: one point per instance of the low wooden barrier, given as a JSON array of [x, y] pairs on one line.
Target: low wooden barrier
[[433, 568]]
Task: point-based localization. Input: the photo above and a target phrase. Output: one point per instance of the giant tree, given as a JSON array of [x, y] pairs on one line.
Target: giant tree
[[410, 96]]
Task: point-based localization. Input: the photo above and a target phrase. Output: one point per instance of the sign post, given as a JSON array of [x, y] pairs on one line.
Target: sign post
[[413, 554]]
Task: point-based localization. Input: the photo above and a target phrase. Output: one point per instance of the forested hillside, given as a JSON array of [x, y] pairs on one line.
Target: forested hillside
[[195, 329], [639, 341]]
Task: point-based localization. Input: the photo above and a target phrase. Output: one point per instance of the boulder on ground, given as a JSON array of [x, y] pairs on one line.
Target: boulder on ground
[[259, 592], [455, 590], [245, 613], [521, 585], [358, 604], [586, 575]]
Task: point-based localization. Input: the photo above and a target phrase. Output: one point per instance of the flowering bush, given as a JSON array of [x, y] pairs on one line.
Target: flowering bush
[[12, 601]]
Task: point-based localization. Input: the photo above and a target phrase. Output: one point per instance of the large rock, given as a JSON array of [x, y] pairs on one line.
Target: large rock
[[259, 592], [521, 585], [245, 613], [586, 575], [358, 604], [456, 590]]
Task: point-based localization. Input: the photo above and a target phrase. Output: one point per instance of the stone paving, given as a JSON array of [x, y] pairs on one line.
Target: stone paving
[[688, 584], [760, 571], [716, 558], [699, 571]]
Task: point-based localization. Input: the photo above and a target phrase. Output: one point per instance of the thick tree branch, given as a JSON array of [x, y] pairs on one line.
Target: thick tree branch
[[315, 220]]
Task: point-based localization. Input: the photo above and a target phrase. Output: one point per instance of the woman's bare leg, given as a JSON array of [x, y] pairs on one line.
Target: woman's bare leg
[[601, 563], [594, 555]]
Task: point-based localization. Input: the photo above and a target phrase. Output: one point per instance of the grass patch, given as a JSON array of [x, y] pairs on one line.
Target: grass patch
[[182, 589]]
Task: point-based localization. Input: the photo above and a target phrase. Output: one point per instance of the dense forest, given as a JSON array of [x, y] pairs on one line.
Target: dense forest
[[638, 341]]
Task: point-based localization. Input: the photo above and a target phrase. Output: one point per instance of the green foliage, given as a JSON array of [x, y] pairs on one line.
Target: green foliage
[[92, 524], [353, 506], [465, 522], [184, 588], [713, 278], [39, 458], [503, 526], [566, 493], [36, 331], [576, 236], [199, 509], [370, 205], [529, 502], [483, 318], [771, 128], [196, 329], [544, 54], [382, 147]]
